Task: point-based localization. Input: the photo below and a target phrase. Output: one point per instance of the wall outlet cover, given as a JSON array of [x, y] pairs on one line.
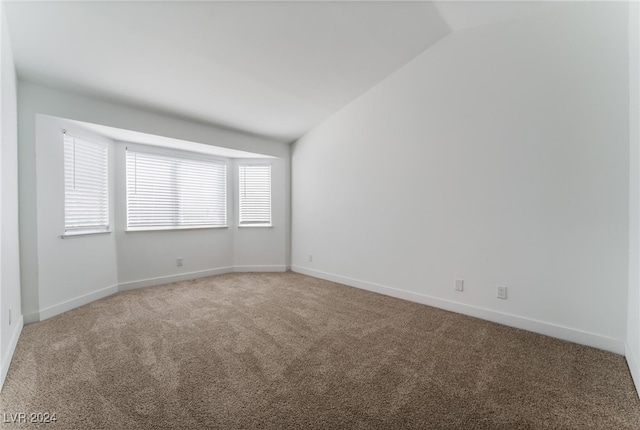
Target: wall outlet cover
[[459, 286]]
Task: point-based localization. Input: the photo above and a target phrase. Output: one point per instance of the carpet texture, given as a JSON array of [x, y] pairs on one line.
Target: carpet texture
[[286, 351]]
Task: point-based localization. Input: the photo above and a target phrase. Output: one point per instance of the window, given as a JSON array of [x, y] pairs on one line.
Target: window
[[86, 187], [255, 194], [175, 191]]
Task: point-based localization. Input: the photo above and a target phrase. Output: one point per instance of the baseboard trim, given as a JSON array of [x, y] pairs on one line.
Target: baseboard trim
[[634, 366], [549, 329], [13, 342], [273, 268], [31, 317], [161, 280], [54, 310]]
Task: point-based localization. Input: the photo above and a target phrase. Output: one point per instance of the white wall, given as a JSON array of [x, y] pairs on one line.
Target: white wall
[[499, 156], [146, 255], [10, 327], [72, 268], [255, 247], [633, 314], [64, 273]]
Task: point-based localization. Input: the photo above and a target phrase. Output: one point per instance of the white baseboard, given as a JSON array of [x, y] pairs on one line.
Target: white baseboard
[[52, 311], [31, 317], [161, 280], [274, 268], [634, 366], [77, 302], [536, 326], [13, 342]]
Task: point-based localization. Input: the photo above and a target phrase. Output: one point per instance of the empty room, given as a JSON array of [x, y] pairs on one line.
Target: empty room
[[320, 215]]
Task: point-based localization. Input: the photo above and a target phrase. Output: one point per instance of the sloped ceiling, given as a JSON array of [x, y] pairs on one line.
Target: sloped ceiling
[[274, 69]]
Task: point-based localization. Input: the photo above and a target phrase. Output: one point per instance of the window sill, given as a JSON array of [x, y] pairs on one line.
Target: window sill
[[255, 225], [72, 235], [135, 230]]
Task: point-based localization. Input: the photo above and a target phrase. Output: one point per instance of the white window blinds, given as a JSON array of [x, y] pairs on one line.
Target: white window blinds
[[255, 194], [171, 192], [86, 186]]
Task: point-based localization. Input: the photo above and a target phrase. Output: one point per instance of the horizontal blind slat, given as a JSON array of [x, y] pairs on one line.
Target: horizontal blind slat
[[86, 180], [255, 194], [178, 191]]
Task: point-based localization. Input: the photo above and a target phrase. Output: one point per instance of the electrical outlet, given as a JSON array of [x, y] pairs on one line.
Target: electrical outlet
[[459, 285], [501, 292], [179, 261], [310, 258]]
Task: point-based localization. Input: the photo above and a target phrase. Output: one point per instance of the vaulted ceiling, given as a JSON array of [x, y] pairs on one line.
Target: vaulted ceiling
[[275, 69]]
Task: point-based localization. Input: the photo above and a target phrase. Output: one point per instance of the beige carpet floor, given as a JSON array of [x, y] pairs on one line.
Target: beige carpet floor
[[286, 351]]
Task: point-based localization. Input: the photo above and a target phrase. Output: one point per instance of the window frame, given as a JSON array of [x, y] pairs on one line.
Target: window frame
[[92, 230], [175, 154], [269, 164]]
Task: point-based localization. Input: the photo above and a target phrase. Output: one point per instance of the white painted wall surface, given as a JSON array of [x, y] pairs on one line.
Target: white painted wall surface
[[264, 248], [74, 267], [499, 156], [633, 313], [129, 260], [9, 248], [145, 255]]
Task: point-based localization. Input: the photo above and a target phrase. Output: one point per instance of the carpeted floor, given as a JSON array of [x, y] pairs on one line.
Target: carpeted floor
[[286, 351]]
